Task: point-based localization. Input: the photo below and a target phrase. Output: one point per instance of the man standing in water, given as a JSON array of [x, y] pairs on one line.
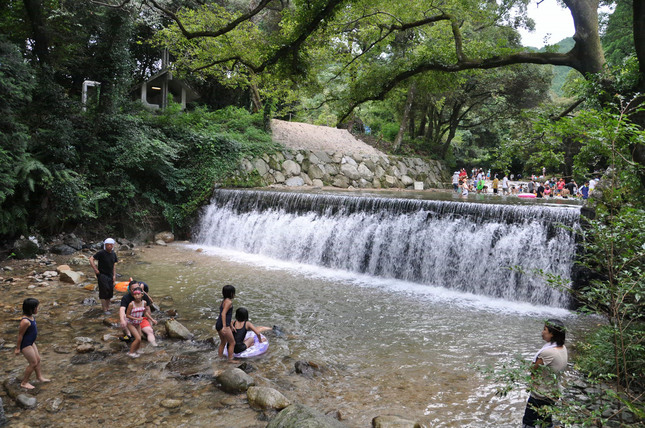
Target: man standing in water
[[106, 272]]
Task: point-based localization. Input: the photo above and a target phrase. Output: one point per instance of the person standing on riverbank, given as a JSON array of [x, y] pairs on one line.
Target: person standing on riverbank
[[27, 333], [548, 364], [106, 272]]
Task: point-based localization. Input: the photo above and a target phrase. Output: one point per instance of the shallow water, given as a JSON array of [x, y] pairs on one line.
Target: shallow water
[[383, 347], [388, 347]]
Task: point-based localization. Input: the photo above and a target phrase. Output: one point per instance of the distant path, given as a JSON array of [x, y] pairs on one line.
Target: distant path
[[297, 135]]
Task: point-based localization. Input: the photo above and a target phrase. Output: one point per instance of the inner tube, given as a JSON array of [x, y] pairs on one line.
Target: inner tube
[[121, 286], [526, 195], [258, 347]]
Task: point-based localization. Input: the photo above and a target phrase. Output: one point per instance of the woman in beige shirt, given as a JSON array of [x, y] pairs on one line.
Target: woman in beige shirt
[[550, 360]]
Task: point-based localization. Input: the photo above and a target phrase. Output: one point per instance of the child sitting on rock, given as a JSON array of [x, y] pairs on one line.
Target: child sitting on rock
[[135, 313]]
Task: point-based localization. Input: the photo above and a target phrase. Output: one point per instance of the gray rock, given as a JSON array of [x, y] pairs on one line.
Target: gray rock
[[341, 181], [62, 249], [235, 380], [176, 330], [350, 170], [301, 416], [165, 236], [365, 172], [89, 301], [331, 169], [290, 168], [316, 172], [295, 182], [74, 242], [79, 261], [317, 183], [407, 181], [82, 339], [26, 401], [322, 156], [304, 368], [389, 421], [266, 398], [306, 179], [348, 160], [279, 177], [261, 166], [71, 277], [161, 242]]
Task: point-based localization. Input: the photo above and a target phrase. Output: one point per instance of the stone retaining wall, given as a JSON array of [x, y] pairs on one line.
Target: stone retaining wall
[[319, 168]]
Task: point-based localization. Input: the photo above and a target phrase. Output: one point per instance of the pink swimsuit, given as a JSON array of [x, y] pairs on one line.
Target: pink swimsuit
[[137, 312]]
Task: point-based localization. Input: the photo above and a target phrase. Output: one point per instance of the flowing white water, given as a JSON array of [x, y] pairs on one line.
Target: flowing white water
[[484, 249]]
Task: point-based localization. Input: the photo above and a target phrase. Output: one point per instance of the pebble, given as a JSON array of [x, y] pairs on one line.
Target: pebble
[[170, 403]]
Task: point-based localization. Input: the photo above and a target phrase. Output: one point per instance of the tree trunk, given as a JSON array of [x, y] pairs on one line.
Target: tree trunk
[[255, 97], [587, 54], [34, 9], [404, 120]]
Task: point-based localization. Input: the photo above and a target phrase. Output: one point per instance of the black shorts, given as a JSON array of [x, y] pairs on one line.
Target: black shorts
[[106, 286], [531, 415], [495, 191], [239, 347]]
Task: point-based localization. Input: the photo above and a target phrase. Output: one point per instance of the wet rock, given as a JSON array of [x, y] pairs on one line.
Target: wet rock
[[299, 415], [170, 403], [391, 421], [89, 301], [85, 348], [166, 237], [50, 273], [90, 287], [3, 418], [62, 249], [176, 330], [246, 367], [71, 392], [26, 401], [90, 357], [62, 350], [187, 365], [71, 276], [234, 380], [55, 405], [304, 368], [83, 339], [13, 389], [7, 268], [266, 398]]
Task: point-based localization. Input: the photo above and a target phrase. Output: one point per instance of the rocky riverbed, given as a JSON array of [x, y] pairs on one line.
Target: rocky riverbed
[[179, 383]]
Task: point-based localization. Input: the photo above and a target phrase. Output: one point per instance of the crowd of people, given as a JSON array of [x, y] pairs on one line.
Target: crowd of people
[[538, 186]]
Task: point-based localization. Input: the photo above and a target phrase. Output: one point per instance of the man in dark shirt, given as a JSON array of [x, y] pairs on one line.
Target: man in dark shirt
[[571, 186], [540, 191], [105, 272]]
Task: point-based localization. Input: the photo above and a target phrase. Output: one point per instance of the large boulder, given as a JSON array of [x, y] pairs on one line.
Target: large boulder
[[350, 170], [74, 242], [71, 277], [176, 330], [266, 398], [26, 248], [301, 416], [166, 237], [235, 380]]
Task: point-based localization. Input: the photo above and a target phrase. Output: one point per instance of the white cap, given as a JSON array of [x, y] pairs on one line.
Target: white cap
[[109, 241]]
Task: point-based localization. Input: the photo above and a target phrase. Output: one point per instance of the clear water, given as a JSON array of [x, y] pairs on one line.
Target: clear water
[[385, 346]]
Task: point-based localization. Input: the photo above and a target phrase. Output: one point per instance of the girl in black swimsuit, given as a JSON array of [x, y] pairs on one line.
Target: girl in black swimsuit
[[223, 324], [241, 326]]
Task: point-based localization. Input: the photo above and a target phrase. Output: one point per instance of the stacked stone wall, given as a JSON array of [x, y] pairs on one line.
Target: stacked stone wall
[[320, 168]]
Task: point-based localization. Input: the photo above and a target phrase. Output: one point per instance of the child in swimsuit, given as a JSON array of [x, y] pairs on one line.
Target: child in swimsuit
[[241, 325], [27, 333], [135, 314], [223, 324]]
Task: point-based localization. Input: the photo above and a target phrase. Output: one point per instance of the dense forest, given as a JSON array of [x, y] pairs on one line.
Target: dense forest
[[444, 79]]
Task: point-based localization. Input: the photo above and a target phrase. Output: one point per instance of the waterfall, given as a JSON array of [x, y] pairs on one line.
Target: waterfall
[[486, 249]]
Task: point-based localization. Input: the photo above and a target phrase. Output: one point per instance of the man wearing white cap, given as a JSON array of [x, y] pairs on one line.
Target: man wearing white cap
[[106, 272]]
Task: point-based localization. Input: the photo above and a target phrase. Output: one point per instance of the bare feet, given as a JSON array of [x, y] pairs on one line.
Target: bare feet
[[44, 380], [233, 361], [27, 385]]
